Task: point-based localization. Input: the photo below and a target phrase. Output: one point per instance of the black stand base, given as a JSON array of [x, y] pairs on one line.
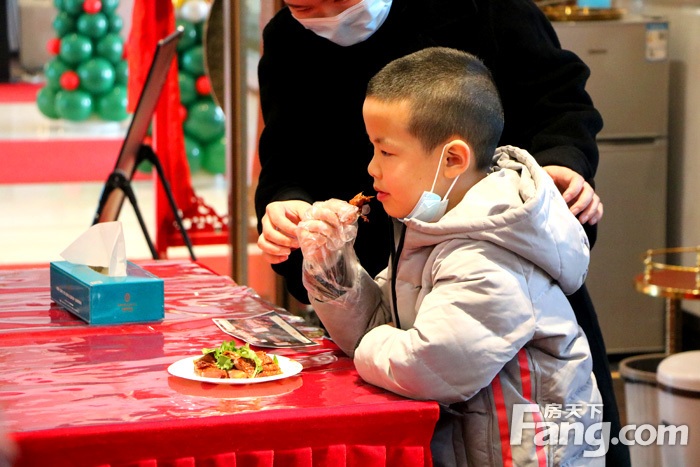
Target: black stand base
[[119, 180]]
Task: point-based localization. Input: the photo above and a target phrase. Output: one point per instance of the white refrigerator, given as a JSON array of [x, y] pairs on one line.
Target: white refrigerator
[[629, 85]]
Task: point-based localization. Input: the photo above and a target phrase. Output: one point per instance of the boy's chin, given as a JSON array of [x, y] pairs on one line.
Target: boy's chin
[[396, 214]]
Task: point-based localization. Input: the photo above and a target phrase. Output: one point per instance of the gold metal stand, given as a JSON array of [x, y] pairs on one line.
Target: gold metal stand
[[674, 283], [571, 12]]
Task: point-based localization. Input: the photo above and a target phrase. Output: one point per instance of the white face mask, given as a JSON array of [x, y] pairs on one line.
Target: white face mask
[[353, 25], [430, 207]]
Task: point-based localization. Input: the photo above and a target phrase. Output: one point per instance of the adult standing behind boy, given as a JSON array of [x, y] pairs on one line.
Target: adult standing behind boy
[[471, 311], [318, 56]]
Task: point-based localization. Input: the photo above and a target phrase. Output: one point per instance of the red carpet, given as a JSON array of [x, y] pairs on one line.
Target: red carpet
[[53, 161], [18, 92], [56, 161]]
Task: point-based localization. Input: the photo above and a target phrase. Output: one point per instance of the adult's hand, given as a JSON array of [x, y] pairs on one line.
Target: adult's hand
[[279, 225], [579, 195]]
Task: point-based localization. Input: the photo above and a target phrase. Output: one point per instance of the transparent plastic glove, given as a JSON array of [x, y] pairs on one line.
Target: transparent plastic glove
[[326, 236]]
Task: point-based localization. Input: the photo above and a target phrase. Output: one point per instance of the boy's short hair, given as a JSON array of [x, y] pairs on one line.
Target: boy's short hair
[[450, 93]]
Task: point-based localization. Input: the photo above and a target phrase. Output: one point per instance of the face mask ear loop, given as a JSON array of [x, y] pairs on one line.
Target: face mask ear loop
[[432, 188], [451, 186]]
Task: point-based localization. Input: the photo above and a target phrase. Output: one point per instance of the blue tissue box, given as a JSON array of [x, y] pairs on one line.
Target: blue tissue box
[[101, 299]]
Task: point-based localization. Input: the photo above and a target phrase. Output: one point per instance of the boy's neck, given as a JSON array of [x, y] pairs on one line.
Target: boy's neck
[[465, 183]]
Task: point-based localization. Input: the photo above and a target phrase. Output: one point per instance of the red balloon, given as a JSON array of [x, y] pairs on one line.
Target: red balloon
[[53, 46], [92, 6], [203, 85], [70, 80], [182, 113]]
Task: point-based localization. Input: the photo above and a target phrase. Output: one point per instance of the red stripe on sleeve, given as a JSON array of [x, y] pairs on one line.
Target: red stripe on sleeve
[[526, 383], [502, 416]]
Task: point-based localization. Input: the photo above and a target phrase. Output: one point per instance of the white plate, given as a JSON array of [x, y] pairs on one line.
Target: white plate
[[185, 369]]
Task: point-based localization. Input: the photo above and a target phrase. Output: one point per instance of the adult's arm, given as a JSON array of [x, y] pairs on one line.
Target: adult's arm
[[282, 175], [547, 109]]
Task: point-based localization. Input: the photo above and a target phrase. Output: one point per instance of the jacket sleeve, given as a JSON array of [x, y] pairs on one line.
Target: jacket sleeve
[[282, 175], [362, 308], [467, 328], [547, 109]]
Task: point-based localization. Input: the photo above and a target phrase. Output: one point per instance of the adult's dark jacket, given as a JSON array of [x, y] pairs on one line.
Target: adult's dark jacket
[[314, 145]]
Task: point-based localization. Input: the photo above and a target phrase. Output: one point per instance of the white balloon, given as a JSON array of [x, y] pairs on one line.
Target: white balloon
[[194, 11]]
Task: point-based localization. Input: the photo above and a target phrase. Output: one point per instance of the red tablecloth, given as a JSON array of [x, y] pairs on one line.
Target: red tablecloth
[[74, 394]]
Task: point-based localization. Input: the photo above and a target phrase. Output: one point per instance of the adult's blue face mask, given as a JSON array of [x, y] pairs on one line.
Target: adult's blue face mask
[[353, 25], [430, 207]]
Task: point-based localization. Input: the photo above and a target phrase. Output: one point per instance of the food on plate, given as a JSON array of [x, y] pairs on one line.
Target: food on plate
[[229, 361], [360, 201]]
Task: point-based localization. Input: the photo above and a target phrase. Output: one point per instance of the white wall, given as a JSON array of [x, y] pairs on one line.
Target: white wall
[[684, 123]]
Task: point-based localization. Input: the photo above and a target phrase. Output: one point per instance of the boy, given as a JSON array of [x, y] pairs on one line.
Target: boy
[[471, 311]]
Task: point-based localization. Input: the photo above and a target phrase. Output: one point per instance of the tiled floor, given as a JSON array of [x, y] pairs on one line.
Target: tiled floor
[[38, 221]]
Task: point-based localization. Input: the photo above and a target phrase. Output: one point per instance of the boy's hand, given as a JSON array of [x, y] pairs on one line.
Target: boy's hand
[[327, 227]]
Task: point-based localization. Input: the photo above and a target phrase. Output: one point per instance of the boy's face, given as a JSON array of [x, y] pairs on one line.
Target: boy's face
[[401, 168]]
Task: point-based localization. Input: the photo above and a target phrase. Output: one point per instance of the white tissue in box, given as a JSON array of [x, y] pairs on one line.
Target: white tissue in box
[[100, 246]]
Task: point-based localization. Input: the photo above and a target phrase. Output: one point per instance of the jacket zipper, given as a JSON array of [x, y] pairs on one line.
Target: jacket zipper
[[395, 254]]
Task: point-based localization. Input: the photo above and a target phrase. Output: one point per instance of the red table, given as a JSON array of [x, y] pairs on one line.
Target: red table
[[74, 394]]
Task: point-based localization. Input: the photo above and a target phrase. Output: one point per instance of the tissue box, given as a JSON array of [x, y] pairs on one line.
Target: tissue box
[[101, 299]]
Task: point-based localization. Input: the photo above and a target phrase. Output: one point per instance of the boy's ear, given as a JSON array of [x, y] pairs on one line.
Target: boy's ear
[[458, 158]]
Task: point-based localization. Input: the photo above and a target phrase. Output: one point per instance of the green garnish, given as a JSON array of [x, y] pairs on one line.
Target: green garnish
[[225, 362]]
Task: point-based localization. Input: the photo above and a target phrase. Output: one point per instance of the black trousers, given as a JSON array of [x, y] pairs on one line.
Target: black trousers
[[618, 455]]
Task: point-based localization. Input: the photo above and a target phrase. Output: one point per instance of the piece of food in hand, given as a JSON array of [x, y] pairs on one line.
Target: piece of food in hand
[[360, 201], [229, 361]]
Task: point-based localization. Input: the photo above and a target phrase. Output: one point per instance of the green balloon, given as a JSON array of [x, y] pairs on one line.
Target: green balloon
[[93, 26], [63, 24], [58, 4], [46, 101], [75, 49], [115, 22], [96, 75], [189, 36], [108, 6], [121, 72], [192, 60], [205, 121], [111, 47], [74, 7], [145, 167], [112, 106], [194, 154], [53, 69], [215, 157], [188, 92], [73, 105]]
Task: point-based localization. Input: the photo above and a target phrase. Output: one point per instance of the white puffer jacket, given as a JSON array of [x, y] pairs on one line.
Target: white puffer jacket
[[481, 322]]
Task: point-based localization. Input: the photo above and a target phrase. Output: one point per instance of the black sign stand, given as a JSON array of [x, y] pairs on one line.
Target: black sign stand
[[134, 152], [119, 180]]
